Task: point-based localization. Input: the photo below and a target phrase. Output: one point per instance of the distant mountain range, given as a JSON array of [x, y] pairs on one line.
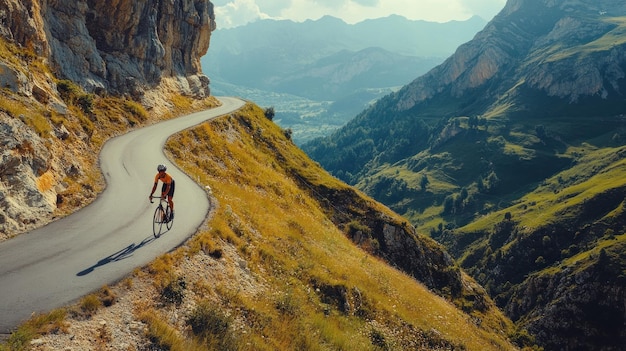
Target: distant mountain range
[[511, 154], [327, 61]]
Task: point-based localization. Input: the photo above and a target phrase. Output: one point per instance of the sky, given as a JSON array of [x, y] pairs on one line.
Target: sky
[[233, 13]]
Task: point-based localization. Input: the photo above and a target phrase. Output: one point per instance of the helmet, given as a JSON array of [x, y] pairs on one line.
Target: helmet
[[161, 168]]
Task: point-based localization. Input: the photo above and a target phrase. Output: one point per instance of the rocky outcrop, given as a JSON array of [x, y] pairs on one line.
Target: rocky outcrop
[[14, 80], [35, 173], [24, 161], [118, 47], [398, 243], [582, 306]]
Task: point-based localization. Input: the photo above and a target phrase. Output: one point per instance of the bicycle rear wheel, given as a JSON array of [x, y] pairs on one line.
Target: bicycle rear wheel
[[170, 220], [157, 223]]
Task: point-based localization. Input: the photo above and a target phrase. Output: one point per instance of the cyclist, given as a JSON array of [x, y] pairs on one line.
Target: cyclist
[[168, 187]]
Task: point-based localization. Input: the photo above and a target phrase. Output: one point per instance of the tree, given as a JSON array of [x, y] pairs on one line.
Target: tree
[[541, 132], [288, 133], [424, 182], [270, 113], [448, 204], [464, 193], [473, 122]]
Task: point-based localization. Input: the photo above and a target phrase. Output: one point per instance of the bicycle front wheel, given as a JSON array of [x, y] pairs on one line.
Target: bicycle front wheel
[[157, 223], [170, 220]]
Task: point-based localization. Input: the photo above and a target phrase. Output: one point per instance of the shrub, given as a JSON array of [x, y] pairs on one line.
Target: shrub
[[287, 305], [90, 304], [288, 133], [68, 91], [136, 109], [270, 113], [212, 326], [85, 102], [378, 339], [174, 291], [207, 320], [540, 261], [107, 296]]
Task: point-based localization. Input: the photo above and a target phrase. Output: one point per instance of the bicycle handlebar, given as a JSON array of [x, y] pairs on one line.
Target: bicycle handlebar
[[155, 197]]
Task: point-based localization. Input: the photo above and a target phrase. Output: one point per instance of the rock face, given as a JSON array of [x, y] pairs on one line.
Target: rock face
[[399, 244], [24, 161], [535, 44], [120, 46], [581, 307]]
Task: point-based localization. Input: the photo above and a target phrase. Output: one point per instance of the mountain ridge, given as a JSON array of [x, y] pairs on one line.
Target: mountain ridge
[[490, 140], [327, 61]]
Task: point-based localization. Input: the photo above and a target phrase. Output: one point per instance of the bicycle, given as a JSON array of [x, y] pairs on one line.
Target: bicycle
[[162, 215]]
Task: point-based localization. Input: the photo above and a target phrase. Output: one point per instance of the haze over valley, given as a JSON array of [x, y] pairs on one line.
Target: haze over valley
[[319, 74]]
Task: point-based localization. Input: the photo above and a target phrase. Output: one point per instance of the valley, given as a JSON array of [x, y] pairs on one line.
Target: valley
[[316, 86], [510, 154]]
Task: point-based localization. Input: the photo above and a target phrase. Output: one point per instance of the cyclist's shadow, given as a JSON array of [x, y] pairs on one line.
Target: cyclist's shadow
[[118, 256]]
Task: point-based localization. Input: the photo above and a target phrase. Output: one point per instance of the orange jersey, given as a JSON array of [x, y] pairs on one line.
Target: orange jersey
[[166, 179]]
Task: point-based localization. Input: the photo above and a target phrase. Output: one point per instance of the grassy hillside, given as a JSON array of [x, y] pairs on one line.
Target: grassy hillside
[[290, 259], [559, 250], [322, 291], [272, 270]]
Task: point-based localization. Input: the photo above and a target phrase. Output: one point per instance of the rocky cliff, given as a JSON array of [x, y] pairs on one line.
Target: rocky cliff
[[567, 49], [76, 73], [118, 47]]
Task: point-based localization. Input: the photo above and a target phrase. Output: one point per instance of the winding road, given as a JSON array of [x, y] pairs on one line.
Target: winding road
[[103, 242]]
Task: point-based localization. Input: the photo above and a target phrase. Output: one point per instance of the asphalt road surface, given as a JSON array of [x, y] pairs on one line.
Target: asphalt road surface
[[57, 264]]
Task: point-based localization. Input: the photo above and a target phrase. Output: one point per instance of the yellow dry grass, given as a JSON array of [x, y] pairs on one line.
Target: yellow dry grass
[[287, 239], [45, 182]]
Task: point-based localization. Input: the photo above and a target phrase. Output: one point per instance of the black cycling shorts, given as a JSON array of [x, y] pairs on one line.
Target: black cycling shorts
[[171, 193]]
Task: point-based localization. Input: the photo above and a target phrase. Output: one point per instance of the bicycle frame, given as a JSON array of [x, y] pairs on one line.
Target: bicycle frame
[[162, 215]]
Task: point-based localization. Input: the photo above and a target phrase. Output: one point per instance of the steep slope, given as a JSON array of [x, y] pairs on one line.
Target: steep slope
[[278, 255], [537, 92], [275, 269], [568, 235]]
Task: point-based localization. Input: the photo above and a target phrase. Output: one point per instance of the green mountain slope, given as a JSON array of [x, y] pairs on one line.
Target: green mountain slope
[[320, 253], [559, 254], [538, 95]]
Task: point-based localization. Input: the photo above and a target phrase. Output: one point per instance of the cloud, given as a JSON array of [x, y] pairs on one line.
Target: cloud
[[484, 8], [237, 12], [231, 13], [274, 7]]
